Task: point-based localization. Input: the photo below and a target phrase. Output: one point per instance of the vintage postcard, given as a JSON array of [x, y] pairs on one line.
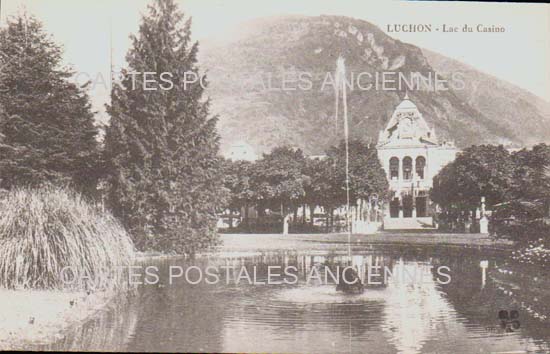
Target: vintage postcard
[[275, 176]]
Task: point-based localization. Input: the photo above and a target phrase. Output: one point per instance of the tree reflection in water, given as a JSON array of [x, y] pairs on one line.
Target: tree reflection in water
[[398, 316]]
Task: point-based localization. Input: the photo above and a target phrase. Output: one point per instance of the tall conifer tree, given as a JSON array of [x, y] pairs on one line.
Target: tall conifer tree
[[162, 145], [47, 131]]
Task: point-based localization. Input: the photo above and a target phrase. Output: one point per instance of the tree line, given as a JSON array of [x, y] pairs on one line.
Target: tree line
[[157, 168], [285, 180], [516, 186]]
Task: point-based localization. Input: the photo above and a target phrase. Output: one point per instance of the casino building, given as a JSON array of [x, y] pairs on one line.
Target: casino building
[[411, 155]]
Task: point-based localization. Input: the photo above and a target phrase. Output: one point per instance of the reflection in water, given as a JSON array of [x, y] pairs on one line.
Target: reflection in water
[[403, 314], [415, 310], [109, 330]]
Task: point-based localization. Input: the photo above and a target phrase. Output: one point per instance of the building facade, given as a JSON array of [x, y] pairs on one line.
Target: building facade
[[411, 155], [241, 151]]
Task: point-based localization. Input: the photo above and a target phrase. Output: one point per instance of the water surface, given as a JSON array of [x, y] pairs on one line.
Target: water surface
[[397, 317]]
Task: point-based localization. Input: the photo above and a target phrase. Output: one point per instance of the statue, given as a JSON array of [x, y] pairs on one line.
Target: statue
[[483, 222]]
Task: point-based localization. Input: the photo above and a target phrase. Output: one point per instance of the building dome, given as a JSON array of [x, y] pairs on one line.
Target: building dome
[[407, 123], [406, 104]]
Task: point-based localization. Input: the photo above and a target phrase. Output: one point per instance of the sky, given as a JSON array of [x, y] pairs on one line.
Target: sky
[[520, 55]]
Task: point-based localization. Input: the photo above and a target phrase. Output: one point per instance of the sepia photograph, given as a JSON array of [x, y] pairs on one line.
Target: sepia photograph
[[275, 176]]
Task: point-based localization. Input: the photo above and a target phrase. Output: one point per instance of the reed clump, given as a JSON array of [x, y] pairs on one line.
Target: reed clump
[[52, 238]]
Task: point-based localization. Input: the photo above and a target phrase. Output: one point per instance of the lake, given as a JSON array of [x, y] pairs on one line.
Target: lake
[[306, 314]]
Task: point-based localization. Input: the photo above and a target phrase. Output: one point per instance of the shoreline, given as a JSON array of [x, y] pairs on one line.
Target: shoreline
[[257, 242]]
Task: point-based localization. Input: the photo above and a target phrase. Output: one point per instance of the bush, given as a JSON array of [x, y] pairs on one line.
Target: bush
[[521, 221], [43, 231]]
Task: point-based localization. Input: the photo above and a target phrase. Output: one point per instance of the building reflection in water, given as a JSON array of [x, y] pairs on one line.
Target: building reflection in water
[[408, 312]]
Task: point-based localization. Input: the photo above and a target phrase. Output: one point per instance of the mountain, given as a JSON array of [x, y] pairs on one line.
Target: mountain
[[246, 76], [523, 112]]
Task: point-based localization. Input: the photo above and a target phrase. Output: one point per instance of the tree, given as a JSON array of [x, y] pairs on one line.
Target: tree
[[326, 185], [317, 191], [530, 178], [528, 204], [366, 175], [478, 171], [237, 181], [278, 179], [47, 126], [161, 146]]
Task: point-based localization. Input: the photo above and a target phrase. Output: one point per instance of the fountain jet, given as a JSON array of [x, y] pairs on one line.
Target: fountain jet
[[341, 85]]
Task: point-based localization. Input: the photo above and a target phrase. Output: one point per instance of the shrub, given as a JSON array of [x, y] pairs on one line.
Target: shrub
[[522, 221], [44, 230]]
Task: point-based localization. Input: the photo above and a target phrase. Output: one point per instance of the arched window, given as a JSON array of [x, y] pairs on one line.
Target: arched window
[[420, 166], [407, 168], [394, 168]]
